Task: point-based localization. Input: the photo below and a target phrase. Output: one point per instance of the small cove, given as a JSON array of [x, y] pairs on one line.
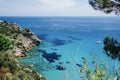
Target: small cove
[[66, 41]]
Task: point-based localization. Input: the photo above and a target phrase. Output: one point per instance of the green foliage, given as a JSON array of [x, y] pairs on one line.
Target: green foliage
[[112, 47], [8, 29], [34, 73], [96, 71], [4, 43], [106, 6], [42, 78], [9, 65], [10, 69], [9, 62]]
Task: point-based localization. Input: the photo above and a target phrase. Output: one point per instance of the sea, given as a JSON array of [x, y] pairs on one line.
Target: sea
[[66, 42]]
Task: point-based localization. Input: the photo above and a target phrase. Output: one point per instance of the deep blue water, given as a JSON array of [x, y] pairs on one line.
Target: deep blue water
[[66, 40]]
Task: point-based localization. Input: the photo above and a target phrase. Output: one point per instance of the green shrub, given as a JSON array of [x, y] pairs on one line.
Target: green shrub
[[97, 71], [4, 43], [9, 62]]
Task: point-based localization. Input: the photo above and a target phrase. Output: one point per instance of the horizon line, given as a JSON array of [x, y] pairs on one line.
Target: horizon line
[[58, 16]]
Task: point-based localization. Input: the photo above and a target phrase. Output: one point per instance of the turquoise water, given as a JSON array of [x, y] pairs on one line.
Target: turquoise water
[[66, 40]]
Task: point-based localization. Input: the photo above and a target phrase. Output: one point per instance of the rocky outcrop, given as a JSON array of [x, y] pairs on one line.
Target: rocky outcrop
[[23, 39]]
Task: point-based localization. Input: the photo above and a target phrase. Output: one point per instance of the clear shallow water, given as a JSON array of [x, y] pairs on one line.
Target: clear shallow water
[[68, 39]]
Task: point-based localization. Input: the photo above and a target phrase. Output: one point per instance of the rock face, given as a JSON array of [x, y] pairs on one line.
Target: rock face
[[23, 39]]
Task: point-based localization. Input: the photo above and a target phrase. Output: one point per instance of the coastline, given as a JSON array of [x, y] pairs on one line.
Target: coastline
[[82, 38], [22, 40]]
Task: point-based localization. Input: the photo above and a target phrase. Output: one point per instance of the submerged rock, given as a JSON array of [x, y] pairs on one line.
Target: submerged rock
[[58, 42], [53, 49], [79, 65], [61, 63], [50, 57], [68, 62], [73, 38], [42, 36], [58, 67]]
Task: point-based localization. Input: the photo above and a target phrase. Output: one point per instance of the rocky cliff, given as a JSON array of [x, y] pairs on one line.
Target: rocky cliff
[[23, 39], [15, 42]]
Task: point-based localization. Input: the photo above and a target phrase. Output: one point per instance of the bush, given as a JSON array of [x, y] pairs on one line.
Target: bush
[[4, 43], [9, 62], [97, 71]]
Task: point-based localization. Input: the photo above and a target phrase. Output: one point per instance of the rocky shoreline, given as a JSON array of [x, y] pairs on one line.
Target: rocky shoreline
[[22, 40]]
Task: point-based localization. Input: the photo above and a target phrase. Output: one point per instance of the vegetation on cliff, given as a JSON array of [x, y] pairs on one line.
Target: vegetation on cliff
[[22, 40], [10, 69], [4, 43], [15, 42]]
